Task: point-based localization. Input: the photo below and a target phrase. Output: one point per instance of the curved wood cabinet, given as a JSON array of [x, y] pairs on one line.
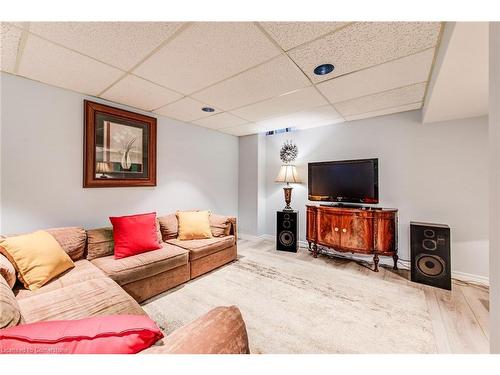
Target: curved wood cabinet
[[355, 230]]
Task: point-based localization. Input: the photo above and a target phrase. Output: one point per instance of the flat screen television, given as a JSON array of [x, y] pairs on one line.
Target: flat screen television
[[353, 181]]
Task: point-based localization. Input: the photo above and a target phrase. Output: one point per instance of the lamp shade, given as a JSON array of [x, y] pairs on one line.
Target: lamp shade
[[288, 173]]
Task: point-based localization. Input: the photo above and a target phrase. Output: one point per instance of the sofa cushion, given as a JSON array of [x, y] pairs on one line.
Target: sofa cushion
[[83, 271], [10, 314], [99, 242], [71, 239], [113, 334], [37, 257], [141, 266], [7, 271], [89, 298], [220, 225], [168, 226], [201, 248]]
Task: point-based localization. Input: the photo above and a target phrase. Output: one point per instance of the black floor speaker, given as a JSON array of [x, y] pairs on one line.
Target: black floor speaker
[[286, 231], [430, 254]]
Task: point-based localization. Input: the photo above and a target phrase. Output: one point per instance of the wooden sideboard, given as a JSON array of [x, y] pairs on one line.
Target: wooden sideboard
[[354, 230]]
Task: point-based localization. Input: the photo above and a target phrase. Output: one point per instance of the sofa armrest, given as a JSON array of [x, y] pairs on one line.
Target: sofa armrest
[[233, 229], [220, 331]]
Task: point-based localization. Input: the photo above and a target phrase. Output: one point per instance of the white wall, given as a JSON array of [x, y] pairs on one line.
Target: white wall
[[431, 172], [494, 138], [41, 164], [248, 185]]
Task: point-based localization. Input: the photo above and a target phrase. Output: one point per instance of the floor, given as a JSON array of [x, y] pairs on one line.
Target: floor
[[459, 317]]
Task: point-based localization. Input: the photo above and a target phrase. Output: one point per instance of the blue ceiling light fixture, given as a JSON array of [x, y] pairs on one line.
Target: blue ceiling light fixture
[[323, 69], [207, 109]]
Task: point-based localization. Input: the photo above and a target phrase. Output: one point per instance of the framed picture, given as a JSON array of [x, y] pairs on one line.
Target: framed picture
[[119, 147]]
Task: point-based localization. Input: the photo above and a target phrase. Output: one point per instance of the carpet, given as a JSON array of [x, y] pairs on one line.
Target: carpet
[[292, 306]]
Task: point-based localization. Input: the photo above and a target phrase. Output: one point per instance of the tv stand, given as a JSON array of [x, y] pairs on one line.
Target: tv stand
[[355, 230]]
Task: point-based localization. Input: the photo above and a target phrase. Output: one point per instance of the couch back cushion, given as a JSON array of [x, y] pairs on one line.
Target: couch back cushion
[[100, 243], [7, 271], [10, 314], [71, 239], [220, 225], [169, 226]]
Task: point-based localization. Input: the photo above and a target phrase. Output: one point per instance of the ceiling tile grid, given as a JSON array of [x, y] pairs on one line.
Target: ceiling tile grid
[[137, 92], [186, 109], [238, 68], [265, 81], [365, 44], [281, 105], [206, 53], [397, 73], [387, 99], [120, 44], [47, 62], [385, 111], [220, 120], [292, 34], [10, 38]]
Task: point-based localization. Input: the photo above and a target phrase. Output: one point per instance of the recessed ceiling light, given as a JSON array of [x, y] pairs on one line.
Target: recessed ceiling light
[[207, 109], [323, 69]]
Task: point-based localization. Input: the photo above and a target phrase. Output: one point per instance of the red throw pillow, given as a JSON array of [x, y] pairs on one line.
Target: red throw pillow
[[134, 234], [113, 334]]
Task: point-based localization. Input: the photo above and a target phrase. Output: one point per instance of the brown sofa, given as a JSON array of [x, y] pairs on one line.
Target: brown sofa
[[102, 285]]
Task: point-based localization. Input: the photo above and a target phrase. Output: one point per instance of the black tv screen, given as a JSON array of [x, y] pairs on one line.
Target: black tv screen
[[354, 181]]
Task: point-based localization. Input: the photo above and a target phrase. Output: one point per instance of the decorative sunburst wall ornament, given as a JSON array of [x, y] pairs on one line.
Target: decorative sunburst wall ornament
[[288, 152]]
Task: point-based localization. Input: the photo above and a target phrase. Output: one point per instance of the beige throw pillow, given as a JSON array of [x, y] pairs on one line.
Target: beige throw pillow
[[194, 225], [37, 257], [10, 315]]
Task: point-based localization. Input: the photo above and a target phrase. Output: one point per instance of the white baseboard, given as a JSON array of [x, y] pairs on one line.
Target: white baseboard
[[462, 276]]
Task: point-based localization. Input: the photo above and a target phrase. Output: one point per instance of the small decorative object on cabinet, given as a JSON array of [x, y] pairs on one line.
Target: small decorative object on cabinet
[[354, 230], [286, 230]]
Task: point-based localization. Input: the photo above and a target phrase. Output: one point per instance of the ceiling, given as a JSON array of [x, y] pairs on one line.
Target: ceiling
[[459, 86], [257, 76]]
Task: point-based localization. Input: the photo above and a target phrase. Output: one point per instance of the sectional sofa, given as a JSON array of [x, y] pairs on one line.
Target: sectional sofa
[[99, 284]]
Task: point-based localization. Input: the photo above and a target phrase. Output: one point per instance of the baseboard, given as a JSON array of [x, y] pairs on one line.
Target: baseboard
[[457, 275]]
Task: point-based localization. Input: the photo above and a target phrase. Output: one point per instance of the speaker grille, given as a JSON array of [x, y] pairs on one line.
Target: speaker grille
[[430, 265], [286, 238]]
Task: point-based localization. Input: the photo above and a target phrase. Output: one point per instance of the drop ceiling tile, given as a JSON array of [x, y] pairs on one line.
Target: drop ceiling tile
[[10, 38], [365, 44], [291, 34], [186, 109], [312, 117], [386, 111], [265, 81], [121, 44], [46, 62], [281, 105], [242, 130], [220, 121], [391, 75], [386, 99], [139, 93], [207, 52]]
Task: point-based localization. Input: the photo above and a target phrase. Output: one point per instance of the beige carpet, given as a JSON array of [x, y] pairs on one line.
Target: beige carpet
[[293, 306]]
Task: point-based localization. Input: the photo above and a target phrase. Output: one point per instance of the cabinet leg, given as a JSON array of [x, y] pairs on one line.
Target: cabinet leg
[[395, 258], [375, 260], [315, 250], [309, 245]]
